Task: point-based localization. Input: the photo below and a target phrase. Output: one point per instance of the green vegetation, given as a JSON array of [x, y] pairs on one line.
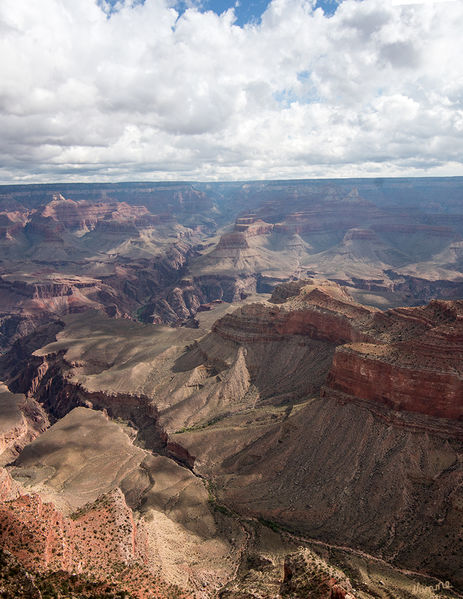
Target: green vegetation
[[198, 427], [140, 313], [219, 508], [212, 501], [270, 524]]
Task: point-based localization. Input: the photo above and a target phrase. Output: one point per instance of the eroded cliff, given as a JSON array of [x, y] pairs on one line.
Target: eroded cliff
[[252, 406]]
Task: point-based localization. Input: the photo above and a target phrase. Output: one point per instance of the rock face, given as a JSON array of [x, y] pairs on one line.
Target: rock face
[[22, 419], [84, 215], [364, 371], [9, 489], [322, 311], [407, 359], [303, 574], [418, 370]]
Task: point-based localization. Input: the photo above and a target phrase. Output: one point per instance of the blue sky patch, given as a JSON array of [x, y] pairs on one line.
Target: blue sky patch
[[246, 11]]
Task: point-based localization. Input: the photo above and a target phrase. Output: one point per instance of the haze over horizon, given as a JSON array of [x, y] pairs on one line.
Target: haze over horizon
[[163, 90]]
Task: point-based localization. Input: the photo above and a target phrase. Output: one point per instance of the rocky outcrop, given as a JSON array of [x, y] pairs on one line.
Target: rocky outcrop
[[250, 225], [304, 575], [412, 288], [285, 291], [176, 305], [180, 303], [226, 288], [44, 229], [95, 539], [407, 359], [420, 367], [375, 374], [339, 472], [22, 419], [260, 324], [232, 241], [100, 550], [84, 215], [318, 310], [58, 395], [307, 575], [9, 488]]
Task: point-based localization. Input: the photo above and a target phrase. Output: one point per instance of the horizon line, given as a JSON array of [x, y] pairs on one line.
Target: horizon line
[[230, 182]]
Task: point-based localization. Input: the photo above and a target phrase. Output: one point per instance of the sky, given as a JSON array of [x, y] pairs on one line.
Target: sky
[[124, 90]]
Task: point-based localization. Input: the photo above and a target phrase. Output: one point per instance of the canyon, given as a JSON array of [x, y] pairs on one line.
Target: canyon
[[158, 252], [232, 390]]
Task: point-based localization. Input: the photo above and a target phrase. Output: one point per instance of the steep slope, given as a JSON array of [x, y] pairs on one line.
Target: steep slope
[[371, 467], [241, 406], [22, 419], [97, 551], [89, 469]]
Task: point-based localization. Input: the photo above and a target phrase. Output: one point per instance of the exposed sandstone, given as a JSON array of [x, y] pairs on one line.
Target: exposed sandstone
[[407, 358], [364, 371], [317, 309], [420, 367], [232, 241]]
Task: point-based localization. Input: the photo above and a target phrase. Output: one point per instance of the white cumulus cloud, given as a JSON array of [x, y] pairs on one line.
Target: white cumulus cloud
[[144, 93]]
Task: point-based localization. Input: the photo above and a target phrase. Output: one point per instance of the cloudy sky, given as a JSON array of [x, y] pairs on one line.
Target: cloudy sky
[[94, 90]]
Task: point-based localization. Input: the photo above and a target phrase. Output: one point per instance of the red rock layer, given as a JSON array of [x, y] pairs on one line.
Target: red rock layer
[[316, 313], [418, 369], [232, 241], [82, 214], [365, 375], [407, 359], [438, 231], [95, 539], [101, 541], [251, 226]]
